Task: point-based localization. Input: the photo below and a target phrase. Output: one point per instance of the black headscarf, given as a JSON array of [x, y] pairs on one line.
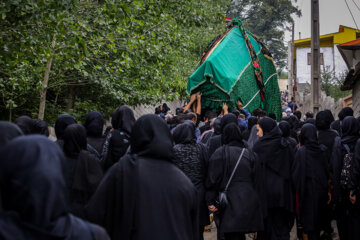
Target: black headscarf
[[94, 124], [232, 135], [345, 112], [330, 115], [267, 124], [227, 119], [335, 125], [310, 121], [74, 140], [350, 130], [165, 108], [151, 137], [40, 127], [61, 123], [323, 120], [8, 131], [34, 202], [285, 128], [123, 119], [184, 133], [217, 126], [252, 121], [308, 136], [25, 123]]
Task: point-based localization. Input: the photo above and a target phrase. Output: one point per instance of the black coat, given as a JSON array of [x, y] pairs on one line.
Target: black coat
[[192, 159], [145, 196], [33, 190], [276, 157], [310, 175], [243, 213]]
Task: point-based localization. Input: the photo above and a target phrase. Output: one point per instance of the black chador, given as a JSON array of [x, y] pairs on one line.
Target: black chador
[[145, 195], [276, 156], [310, 175], [33, 188]]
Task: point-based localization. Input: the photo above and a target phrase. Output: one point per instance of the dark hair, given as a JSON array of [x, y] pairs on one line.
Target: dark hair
[[298, 114], [178, 111], [309, 115], [345, 112], [210, 115], [236, 113], [259, 113], [157, 111], [272, 115]]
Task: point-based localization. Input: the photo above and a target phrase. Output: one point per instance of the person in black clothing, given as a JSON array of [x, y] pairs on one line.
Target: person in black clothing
[[310, 175], [298, 114], [8, 131], [145, 195], [61, 123], [252, 121], [276, 157], [94, 124], [216, 131], [82, 171], [326, 137], [345, 112], [40, 127], [285, 129], [192, 159], [243, 213], [118, 140], [347, 214], [215, 141], [33, 190], [25, 123], [209, 115]]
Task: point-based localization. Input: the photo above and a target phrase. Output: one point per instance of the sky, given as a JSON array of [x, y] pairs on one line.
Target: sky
[[332, 14]]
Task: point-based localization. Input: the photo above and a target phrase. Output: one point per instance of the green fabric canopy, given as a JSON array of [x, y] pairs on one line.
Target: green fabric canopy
[[227, 75]]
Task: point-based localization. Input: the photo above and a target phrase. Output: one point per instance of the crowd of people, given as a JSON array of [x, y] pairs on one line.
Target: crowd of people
[[162, 175]]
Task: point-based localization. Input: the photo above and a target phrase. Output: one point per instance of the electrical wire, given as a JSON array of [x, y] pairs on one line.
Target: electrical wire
[[356, 5], [351, 14]]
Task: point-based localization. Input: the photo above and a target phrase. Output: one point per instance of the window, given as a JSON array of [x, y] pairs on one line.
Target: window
[[321, 58]]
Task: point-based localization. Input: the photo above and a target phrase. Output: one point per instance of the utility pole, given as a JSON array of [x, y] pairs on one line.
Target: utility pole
[[315, 55], [291, 70]]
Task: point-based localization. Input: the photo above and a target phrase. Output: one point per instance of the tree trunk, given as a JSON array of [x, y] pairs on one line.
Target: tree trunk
[[45, 83], [70, 99]]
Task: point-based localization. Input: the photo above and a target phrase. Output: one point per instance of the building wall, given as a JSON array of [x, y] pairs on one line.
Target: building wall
[[283, 85], [303, 70], [356, 99], [340, 66]]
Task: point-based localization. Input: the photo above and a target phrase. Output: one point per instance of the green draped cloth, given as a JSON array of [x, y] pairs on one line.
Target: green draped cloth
[[227, 75]]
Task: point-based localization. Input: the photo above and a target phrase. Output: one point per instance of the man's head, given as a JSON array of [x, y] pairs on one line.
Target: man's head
[[192, 116], [298, 114], [259, 113], [309, 115]]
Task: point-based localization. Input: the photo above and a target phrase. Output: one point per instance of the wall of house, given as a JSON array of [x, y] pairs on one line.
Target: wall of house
[[356, 99], [340, 66], [303, 70]]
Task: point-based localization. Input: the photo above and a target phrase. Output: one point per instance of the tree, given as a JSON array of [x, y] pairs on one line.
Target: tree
[[268, 20], [78, 56], [331, 83]]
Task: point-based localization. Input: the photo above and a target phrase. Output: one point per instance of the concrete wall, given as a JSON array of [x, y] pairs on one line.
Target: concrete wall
[[284, 84], [303, 70]]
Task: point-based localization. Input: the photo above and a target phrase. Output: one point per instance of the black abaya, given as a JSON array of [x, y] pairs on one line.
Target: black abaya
[[82, 171], [94, 124], [8, 131], [311, 175], [276, 157], [118, 141], [25, 123], [243, 213], [33, 188], [145, 196], [61, 123]]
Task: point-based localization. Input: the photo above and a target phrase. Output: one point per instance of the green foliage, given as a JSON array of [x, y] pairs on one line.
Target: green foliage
[[268, 20], [105, 54], [331, 83]]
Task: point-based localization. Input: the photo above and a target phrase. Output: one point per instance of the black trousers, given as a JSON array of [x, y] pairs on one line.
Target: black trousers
[[277, 225], [234, 236]]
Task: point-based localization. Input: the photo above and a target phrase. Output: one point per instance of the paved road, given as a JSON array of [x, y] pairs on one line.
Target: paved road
[[212, 235]]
